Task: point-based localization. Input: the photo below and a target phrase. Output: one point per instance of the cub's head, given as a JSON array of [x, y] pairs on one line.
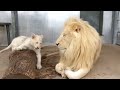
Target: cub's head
[[70, 33], [36, 41]]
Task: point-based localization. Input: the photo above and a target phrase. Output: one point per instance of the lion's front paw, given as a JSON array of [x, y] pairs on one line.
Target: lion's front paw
[[39, 66], [69, 74], [68, 68], [63, 75]]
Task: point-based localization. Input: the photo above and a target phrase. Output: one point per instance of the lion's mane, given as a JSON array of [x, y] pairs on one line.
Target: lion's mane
[[85, 49]]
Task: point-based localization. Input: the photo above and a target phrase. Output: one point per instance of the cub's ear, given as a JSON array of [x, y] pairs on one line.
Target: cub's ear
[[33, 35], [41, 36]]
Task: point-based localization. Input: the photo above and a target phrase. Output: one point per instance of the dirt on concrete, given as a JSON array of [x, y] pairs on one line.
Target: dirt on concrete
[[107, 67]]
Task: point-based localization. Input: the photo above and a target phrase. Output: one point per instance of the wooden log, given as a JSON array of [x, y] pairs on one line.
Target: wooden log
[[22, 65]]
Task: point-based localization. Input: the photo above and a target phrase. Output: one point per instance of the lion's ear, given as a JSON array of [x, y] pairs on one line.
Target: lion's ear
[[76, 27]]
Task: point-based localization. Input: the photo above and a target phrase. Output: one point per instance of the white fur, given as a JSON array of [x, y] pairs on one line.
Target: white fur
[[77, 74], [23, 42], [69, 73], [80, 46]]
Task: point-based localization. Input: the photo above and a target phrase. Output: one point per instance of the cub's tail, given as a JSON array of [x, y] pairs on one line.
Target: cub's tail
[[5, 49]]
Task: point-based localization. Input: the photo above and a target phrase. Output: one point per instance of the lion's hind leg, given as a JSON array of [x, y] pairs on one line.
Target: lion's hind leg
[[76, 74]]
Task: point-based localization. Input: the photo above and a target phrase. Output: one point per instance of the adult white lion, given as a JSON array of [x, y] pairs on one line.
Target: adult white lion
[[80, 46]]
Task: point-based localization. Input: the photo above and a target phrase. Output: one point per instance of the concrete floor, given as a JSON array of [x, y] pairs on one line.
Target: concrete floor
[[4, 62], [107, 67]]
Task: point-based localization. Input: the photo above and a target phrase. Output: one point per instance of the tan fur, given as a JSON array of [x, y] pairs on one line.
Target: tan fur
[[79, 44]]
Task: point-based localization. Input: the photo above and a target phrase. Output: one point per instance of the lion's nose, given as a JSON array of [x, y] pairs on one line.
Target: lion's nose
[[57, 44]]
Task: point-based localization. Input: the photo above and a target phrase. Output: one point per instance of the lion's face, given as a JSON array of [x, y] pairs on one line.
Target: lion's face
[[69, 33], [64, 40]]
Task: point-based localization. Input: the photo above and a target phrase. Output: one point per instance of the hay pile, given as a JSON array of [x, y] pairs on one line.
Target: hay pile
[[22, 64]]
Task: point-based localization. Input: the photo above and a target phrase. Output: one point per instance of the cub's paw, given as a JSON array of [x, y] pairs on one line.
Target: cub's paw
[[39, 66]]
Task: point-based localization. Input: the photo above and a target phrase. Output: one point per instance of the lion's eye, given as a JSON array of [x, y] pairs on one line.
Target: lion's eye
[[36, 42]]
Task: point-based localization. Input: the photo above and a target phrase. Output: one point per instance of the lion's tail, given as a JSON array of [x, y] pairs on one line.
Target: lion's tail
[[76, 74], [6, 48]]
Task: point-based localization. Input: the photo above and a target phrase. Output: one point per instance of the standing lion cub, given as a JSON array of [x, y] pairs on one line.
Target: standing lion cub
[[33, 43]]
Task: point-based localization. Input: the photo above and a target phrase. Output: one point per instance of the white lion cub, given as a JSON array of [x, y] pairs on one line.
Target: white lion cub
[[33, 43]]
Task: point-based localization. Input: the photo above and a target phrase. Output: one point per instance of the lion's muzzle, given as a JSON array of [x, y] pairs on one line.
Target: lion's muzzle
[[57, 44]]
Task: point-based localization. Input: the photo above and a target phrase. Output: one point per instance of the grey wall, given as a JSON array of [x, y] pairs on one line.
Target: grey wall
[[116, 24], [3, 36], [92, 17], [107, 24], [117, 29], [5, 16], [48, 23]]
